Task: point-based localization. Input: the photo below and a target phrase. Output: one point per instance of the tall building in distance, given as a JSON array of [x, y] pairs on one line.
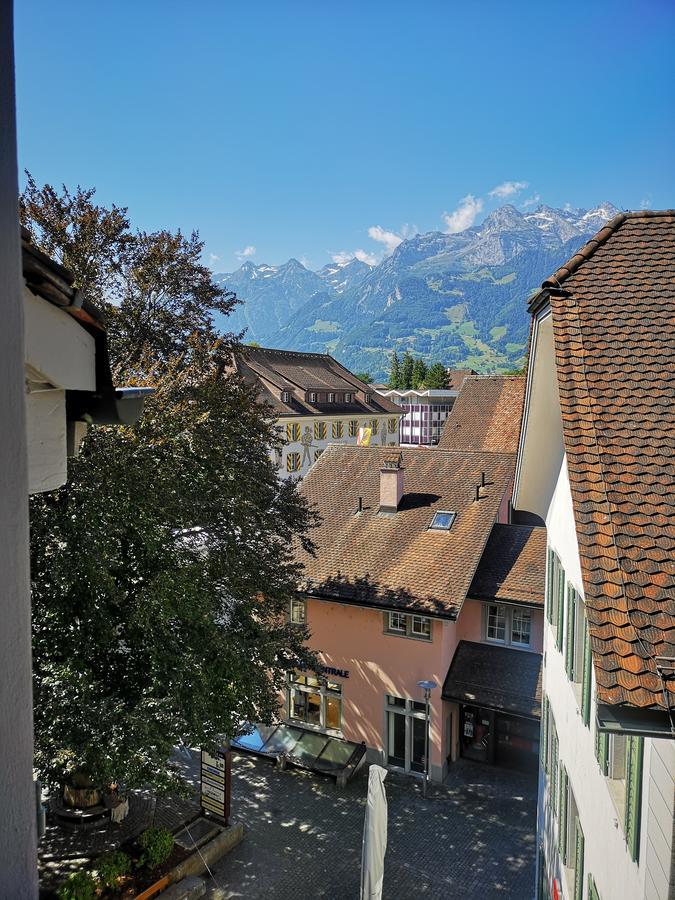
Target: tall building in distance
[[317, 402], [425, 410]]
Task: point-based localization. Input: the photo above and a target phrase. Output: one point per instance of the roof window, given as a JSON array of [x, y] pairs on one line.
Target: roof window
[[285, 396], [331, 398], [348, 398], [442, 520], [368, 397], [312, 397]]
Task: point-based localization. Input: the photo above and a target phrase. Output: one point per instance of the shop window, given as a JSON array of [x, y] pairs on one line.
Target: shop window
[[314, 701], [353, 428], [509, 625], [320, 431], [298, 611], [405, 625], [292, 462], [292, 432], [338, 429]]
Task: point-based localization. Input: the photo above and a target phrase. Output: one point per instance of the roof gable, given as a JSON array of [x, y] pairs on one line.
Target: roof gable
[[486, 415]]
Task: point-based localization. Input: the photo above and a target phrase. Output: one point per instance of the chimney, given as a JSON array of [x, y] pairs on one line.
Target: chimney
[[391, 482]]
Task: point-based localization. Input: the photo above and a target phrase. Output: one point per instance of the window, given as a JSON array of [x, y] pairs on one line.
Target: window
[[442, 521], [331, 398], [496, 623], [338, 429], [353, 428], [374, 425], [292, 462], [620, 758], [392, 425], [368, 397], [348, 398], [314, 701], [320, 431], [298, 611], [285, 397], [293, 432], [312, 397], [555, 595], [317, 454], [406, 625], [510, 625]]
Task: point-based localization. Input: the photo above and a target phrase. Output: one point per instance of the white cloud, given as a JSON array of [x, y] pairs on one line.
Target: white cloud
[[342, 257], [465, 214], [391, 239], [646, 202], [306, 263], [250, 250], [213, 259], [508, 189], [531, 201]]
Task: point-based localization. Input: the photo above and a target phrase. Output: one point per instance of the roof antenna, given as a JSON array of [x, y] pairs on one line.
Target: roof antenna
[[360, 506], [482, 479], [477, 492]]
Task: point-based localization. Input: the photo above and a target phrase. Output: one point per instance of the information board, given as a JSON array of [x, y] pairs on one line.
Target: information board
[[215, 787]]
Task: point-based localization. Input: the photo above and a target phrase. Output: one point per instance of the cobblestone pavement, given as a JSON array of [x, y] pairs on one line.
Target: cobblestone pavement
[[473, 837]]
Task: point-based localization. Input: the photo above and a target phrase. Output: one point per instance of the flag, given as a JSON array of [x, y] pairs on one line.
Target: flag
[[364, 437]]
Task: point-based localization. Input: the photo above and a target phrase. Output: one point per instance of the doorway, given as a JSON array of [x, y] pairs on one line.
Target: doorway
[[405, 733]]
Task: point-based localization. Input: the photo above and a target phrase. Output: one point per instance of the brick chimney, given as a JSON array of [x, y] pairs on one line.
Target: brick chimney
[[391, 481]]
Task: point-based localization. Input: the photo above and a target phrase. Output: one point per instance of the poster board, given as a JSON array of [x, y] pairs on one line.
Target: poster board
[[215, 783]]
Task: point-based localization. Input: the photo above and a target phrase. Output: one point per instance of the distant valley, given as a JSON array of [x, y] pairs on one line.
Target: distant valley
[[456, 298]]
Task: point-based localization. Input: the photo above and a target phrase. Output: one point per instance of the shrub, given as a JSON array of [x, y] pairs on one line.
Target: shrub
[[157, 844], [112, 866], [78, 886]]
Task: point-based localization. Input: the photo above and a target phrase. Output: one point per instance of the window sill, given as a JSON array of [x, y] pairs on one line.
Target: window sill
[[410, 637]]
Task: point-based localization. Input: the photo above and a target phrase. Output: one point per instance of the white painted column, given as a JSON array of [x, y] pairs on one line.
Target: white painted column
[[18, 868]]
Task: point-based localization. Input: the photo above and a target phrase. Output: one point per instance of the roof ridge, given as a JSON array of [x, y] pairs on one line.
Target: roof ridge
[[248, 347], [602, 236]]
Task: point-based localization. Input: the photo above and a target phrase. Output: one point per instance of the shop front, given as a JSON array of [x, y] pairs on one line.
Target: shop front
[[496, 692]]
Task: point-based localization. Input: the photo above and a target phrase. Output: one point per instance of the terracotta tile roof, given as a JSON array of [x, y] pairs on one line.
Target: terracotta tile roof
[[275, 371], [395, 561], [456, 377], [613, 307], [513, 565], [486, 415], [495, 678]]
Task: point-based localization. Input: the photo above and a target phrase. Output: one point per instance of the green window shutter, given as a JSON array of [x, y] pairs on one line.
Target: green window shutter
[[569, 643], [586, 679], [633, 794], [549, 584], [602, 750], [543, 735], [561, 607], [554, 768], [562, 817], [578, 861], [592, 890]]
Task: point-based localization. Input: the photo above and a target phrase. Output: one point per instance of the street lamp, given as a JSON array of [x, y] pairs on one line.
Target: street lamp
[[427, 686]]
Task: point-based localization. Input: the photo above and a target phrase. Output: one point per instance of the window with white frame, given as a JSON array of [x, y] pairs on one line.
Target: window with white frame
[[406, 625], [331, 398], [314, 701], [298, 611], [348, 398], [508, 625]]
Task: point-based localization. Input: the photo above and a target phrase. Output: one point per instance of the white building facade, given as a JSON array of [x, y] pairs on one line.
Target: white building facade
[[607, 761]]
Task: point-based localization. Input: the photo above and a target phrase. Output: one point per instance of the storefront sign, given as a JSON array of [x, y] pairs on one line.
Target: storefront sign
[[215, 783], [329, 670]]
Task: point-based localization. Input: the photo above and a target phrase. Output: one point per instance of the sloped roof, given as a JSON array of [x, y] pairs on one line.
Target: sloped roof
[[395, 561], [495, 678], [456, 377], [613, 308], [486, 415], [512, 566], [274, 371]]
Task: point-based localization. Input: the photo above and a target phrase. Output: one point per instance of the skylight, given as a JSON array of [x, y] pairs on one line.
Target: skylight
[[442, 520]]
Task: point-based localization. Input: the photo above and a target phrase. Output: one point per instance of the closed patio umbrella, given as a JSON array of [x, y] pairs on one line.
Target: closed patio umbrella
[[374, 836]]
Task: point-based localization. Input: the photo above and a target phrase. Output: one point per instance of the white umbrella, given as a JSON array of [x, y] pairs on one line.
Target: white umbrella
[[374, 836]]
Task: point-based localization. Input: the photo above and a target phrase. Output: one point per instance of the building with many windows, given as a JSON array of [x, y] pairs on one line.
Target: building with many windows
[[596, 464], [317, 402], [417, 574]]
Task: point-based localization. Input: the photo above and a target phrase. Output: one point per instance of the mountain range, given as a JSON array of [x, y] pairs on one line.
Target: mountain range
[[460, 299]]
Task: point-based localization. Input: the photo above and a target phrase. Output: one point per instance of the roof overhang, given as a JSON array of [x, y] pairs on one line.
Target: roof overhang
[[653, 723], [381, 606]]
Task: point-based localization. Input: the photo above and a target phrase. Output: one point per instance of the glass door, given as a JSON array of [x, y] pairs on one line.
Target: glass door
[[396, 739], [417, 741], [406, 734]]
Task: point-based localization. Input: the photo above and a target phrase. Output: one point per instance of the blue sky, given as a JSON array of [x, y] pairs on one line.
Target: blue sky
[[283, 128]]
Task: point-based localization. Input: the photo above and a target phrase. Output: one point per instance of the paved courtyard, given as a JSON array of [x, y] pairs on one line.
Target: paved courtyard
[[473, 837]]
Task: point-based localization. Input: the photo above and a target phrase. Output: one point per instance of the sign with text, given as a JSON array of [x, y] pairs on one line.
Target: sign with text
[[215, 786]]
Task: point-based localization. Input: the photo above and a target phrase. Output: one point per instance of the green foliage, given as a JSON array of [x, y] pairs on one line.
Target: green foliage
[[111, 867], [365, 377], [407, 367], [395, 371], [419, 373], [437, 377], [157, 844], [150, 566], [78, 886]]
